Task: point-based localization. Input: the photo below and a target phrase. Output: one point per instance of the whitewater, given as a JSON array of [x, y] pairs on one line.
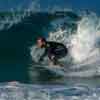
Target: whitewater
[[83, 45], [83, 60], [18, 91]]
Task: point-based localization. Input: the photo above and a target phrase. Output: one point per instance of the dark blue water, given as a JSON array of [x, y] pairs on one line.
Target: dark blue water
[[16, 39]]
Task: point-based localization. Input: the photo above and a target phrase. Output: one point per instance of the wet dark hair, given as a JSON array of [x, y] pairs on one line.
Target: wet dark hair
[[42, 39]]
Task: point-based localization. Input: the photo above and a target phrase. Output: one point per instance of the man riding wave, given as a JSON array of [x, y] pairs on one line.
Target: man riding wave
[[53, 50]]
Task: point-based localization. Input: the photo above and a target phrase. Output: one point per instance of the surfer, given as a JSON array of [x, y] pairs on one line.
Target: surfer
[[53, 50]]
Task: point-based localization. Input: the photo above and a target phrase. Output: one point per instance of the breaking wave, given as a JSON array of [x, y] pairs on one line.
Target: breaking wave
[[82, 43], [16, 15]]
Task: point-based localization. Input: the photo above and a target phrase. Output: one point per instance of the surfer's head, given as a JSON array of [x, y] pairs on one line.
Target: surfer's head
[[41, 42]]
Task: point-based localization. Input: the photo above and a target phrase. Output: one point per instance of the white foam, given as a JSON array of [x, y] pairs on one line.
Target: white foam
[[81, 44], [47, 92]]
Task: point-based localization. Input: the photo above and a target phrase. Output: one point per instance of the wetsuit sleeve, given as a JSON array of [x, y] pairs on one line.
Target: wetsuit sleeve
[[43, 55]]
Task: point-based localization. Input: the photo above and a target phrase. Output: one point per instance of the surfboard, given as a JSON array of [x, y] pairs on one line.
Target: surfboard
[[56, 69], [69, 70]]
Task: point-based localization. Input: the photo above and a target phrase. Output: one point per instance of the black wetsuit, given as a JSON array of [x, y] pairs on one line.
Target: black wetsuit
[[54, 51]]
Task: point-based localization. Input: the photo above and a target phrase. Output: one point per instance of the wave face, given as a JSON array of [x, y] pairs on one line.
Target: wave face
[[78, 31], [81, 37], [18, 91], [15, 15]]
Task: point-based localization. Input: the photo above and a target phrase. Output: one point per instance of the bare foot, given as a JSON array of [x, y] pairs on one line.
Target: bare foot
[[61, 65], [56, 63]]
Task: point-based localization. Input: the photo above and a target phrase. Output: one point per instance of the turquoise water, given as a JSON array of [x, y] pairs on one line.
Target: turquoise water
[[18, 33], [14, 45]]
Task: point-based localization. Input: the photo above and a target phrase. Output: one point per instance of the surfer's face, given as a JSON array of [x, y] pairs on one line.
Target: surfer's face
[[40, 43]]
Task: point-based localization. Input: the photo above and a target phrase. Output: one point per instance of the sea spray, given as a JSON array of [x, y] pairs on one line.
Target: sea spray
[[81, 43]]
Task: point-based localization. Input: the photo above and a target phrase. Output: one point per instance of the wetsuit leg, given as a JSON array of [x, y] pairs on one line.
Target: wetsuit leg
[[57, 54], [53, 58], [60, 53]]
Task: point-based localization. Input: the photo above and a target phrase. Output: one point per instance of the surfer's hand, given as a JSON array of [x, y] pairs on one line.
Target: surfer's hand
[[40, 60]]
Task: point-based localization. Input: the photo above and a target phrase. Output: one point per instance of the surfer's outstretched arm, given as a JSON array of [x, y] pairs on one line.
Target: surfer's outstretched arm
[[43, 55]]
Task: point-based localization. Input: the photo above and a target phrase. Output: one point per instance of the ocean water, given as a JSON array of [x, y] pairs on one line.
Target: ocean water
[[80, 32]]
